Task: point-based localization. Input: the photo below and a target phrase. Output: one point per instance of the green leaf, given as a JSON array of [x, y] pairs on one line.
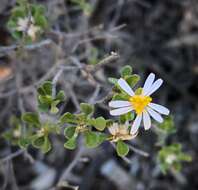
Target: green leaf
[[38, 141], [168, 125], [46, 147], [71, 144], [120, 97], [126, 70], [47, 99], [138, 91], [88, 109], [47, 87], [127, 117], [19, 12], [31, 118], [54, 109], [109, 122], [60, 96], [132, 80], [68, 118], [100, 123], [94, 139], [101, 138], [24, 142], [41, 21], [43, 107], [41, 91], [90, 139], [69, 132], [122, 148], [113, 80]]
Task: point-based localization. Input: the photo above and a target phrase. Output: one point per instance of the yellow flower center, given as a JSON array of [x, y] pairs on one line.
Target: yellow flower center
[[139, 102]]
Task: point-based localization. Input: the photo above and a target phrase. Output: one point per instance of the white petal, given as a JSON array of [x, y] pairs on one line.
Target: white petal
[[114, 129], [124, 85], [119, 104], [146, 120], [121, 111], [148, 83], [136, 124], [159, 108], [155, 115], [155, 86]]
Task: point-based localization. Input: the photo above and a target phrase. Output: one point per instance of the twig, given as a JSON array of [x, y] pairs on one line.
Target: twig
[[71, 165], [54, 82], [4, 50], [11, 156], [109, 59], [138, 151]]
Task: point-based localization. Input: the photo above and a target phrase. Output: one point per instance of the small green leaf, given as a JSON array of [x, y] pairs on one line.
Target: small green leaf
[[113, 80], [46, 147], [101, 138], [60, 96], [68, 118], [41, 21], [90, 139], [41, 91], [71, 144], [127, 117], [120, 97], [47, 99], [24, 142], [126, 70], [100, 123], [138, 91], [168, 125], [38, 141], [43, 107], [69, 132], [31, 118], [47, 87], [122, 148], [54, 109], [88, 109], [132, 80]]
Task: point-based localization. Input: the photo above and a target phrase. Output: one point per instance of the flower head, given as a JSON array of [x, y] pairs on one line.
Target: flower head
[[140, 103], [120, 132], [28, 25]]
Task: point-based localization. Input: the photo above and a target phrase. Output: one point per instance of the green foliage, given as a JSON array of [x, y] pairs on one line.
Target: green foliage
[[83, 124], [168, 125], [84, 6], [126, 71], [122, 148], [164, 130], [35, 15], [131, 79], [46, 100], [93, 139], [31, 118], [68, 118], [127, 117], [87, 109], [99, 123], [170, 157], [71, 143], [69, 132]]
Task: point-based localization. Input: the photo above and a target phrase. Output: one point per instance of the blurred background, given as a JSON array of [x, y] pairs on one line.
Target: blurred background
[[158, 36]]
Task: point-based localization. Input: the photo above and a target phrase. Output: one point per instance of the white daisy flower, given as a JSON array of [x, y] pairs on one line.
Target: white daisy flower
[[120, 132], [27, 25], [141, 104]]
